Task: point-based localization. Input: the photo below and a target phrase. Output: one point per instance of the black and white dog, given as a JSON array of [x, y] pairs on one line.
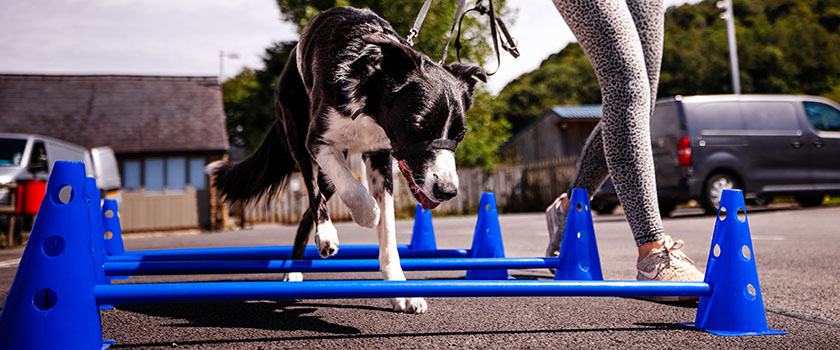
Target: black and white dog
[[353, 85]]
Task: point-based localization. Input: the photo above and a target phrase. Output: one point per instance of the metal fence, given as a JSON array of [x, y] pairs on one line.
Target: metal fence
[[518, 188]]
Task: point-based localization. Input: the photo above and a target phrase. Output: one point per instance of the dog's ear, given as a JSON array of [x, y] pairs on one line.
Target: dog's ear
[[393, 55], [468, 73]]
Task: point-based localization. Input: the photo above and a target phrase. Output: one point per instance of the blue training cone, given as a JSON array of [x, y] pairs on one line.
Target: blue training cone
[[51, 304], [578, 249], [113, 231], [487, 239], [735, 307], [423, 235], [97, 232]]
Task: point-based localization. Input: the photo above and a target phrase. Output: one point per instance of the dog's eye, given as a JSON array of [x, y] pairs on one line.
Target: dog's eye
[[419, 125], [460, 135]]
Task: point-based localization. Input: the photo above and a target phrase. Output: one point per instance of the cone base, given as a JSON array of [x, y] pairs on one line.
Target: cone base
[[767, 331]]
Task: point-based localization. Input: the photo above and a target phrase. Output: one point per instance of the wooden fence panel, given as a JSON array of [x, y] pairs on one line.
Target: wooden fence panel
[[518, 187]]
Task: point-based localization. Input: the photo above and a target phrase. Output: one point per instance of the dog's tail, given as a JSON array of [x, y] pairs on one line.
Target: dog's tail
[[264, 173]]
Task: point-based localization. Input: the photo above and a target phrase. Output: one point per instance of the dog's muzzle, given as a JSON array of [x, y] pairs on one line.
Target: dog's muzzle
[[425, 146]]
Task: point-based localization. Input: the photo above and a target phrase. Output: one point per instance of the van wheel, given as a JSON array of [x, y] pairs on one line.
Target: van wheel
[[809, 201], [714, 189]]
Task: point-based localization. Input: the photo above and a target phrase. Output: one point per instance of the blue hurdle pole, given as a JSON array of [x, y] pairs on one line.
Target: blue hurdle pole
[[278, 252], [238, 291], [275, 266]]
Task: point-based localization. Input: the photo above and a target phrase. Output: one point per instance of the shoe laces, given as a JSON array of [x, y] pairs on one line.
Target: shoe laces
[[671, 250]]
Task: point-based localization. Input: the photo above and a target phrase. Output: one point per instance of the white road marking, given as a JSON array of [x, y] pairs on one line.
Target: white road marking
[[768, 238], [9, 263]]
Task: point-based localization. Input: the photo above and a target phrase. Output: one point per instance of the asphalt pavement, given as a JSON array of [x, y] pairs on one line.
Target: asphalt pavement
[[796, 250]]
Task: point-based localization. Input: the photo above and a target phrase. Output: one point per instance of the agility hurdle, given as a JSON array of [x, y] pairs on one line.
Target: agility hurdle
[[55, 291], [422, 245]]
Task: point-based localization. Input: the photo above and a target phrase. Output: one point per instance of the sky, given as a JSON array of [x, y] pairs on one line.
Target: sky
[[185, 37]]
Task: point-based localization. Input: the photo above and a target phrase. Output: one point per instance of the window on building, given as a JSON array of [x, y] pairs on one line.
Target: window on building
[[131, 175], [197, 177], [153, 174], [176, 174]]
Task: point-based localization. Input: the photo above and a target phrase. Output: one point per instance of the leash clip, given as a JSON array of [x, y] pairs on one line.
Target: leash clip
[[410, 37]]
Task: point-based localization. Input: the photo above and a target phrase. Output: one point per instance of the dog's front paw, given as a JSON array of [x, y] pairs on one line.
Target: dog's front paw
[[326, 247], [326, 239], [363, 208], [293, 277], [367, 216], [410, 305]]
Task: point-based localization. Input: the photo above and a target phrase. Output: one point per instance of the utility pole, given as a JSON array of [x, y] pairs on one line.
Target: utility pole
[[222, 56], [728, 14]]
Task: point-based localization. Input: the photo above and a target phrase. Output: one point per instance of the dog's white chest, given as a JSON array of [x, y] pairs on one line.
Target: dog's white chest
[[360, 135]]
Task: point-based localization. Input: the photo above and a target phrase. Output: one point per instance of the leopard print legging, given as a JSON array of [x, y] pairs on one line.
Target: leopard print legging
[[623, 40]]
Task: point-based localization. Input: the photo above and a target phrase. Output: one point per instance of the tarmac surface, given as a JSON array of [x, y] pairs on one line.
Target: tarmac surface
[[796, 251]]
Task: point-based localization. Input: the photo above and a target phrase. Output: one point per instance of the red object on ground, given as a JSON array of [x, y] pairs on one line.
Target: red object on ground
[[30, 195]]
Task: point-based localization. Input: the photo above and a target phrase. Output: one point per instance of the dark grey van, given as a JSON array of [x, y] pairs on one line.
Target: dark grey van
[[766, 145]]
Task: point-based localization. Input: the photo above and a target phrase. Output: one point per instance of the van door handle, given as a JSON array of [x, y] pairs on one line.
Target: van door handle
[[818, 143], [796, 144]]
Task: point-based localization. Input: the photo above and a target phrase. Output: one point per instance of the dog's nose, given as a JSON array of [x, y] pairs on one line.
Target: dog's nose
[[444, 192]]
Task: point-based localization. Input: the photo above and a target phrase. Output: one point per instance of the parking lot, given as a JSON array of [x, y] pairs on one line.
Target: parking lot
[[796, 250]]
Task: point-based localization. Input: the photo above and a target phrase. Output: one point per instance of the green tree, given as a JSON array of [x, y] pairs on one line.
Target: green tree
[[784, 46], [484, 133], [249, 97], [563, 78], [432, 38]]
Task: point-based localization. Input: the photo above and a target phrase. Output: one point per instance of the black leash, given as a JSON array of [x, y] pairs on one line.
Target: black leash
[[496, 25], [418, 22]]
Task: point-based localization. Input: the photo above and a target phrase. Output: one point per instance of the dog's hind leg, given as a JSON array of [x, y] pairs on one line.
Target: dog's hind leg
[[381, 185], [292, 106]]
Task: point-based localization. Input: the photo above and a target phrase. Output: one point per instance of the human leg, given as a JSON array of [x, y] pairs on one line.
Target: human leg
[[591, 172], [607, 33]]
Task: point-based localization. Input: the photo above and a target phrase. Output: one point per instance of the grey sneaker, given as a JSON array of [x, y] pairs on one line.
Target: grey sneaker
[[668, 263], [555, 217]]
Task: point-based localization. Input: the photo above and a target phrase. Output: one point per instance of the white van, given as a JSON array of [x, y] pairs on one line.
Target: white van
[[30, 156]]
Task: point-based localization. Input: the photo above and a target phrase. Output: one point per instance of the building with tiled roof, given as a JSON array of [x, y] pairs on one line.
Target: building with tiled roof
[[163, 129], [559, 132]]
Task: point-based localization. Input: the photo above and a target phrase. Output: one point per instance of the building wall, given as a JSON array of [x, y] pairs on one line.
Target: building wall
[[166, 191], [548, 138]]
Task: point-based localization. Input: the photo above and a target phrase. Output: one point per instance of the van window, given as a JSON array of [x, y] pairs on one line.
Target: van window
[[38, 158], [822, 116], [777, 116], [153, 174], [718, 116], [131, 175], [11, 151], [665, 122]]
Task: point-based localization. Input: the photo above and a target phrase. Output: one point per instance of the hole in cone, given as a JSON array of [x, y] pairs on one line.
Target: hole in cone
[[44, 299]]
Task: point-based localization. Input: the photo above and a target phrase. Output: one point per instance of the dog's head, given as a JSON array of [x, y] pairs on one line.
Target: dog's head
[[421, 105]]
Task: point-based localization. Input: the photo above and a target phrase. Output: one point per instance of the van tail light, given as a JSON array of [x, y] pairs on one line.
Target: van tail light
[[684, 151]]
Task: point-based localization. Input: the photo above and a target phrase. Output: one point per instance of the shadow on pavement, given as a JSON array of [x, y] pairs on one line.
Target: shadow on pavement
[[641, 327], [268, 315]]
